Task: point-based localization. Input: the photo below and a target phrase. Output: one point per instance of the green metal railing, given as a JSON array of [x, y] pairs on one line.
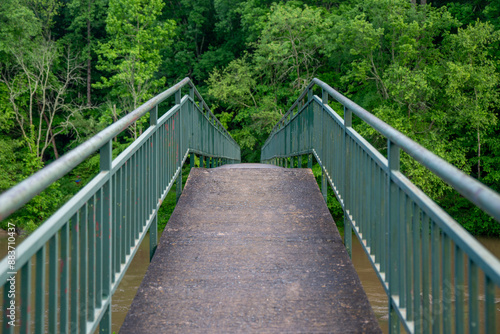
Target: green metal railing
[[92, 239], [410, 241]]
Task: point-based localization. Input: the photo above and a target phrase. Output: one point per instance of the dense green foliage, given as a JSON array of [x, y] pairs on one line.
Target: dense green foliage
[[68, 68]]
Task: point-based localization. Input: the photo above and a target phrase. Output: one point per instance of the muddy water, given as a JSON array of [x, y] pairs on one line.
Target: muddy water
[[122, 299], [371, 284], [126, 290], [131, 281], [373, 288]]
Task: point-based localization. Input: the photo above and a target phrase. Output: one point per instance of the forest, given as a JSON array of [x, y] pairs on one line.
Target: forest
[[69, 68]]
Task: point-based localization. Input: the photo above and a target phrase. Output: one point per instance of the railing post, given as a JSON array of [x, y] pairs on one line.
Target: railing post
[[202, 160], [153, 229], [178, 187], [324, 183], [347, 182], [191, 93], [106, 159], [191, 160], [393, 159]]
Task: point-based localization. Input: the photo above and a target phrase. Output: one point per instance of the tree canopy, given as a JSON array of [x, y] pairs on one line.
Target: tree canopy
[[68, 68]]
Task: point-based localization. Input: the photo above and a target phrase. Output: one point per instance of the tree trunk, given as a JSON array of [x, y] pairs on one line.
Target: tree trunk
[[89, 60], [89, 81], [52, 140], [115, 118], [478, 155]]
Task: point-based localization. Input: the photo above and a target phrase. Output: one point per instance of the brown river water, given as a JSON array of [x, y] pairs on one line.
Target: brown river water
[[378, 299]]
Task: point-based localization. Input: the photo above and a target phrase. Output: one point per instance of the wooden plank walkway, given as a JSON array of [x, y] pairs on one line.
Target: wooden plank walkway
[[251, 250]]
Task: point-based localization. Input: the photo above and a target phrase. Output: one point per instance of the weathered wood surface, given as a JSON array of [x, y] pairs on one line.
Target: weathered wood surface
[[251, 250]]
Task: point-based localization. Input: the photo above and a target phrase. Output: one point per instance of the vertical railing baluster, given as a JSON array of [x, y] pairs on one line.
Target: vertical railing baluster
[[366, 186], [134, 194], [119, 238], [473, 298], [83, 267], [393, 160], [417, 232], [400, 253], [139, 187], [127, 202], [179, 148], [380, 209], [347, 181], [99, 256], [489, 307], [114, 226], [152, 179], [436, 278], [372, 221], [53, 277], [407, 247], [447, 287], [40, 291], [75, 271], [459, 290], [153, 229], [26, 300], [147, 185], [91, 259], [107, 246], [426, 317]]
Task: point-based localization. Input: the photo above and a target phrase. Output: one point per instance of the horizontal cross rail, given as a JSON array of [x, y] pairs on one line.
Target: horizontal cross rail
[[408, 238]]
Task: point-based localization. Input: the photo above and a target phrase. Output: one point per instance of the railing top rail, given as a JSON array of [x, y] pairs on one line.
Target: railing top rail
[[479, 194], [17, 196]]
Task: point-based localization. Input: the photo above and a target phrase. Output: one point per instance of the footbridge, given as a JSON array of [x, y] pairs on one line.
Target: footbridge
[[250, 249]]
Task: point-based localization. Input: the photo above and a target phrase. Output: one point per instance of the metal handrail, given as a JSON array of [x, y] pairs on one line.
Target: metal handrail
[[17, 196], [91, 240], [408, 238], [469, 187]]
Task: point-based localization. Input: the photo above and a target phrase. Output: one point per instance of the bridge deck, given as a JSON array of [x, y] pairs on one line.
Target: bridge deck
[[250, 250]]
